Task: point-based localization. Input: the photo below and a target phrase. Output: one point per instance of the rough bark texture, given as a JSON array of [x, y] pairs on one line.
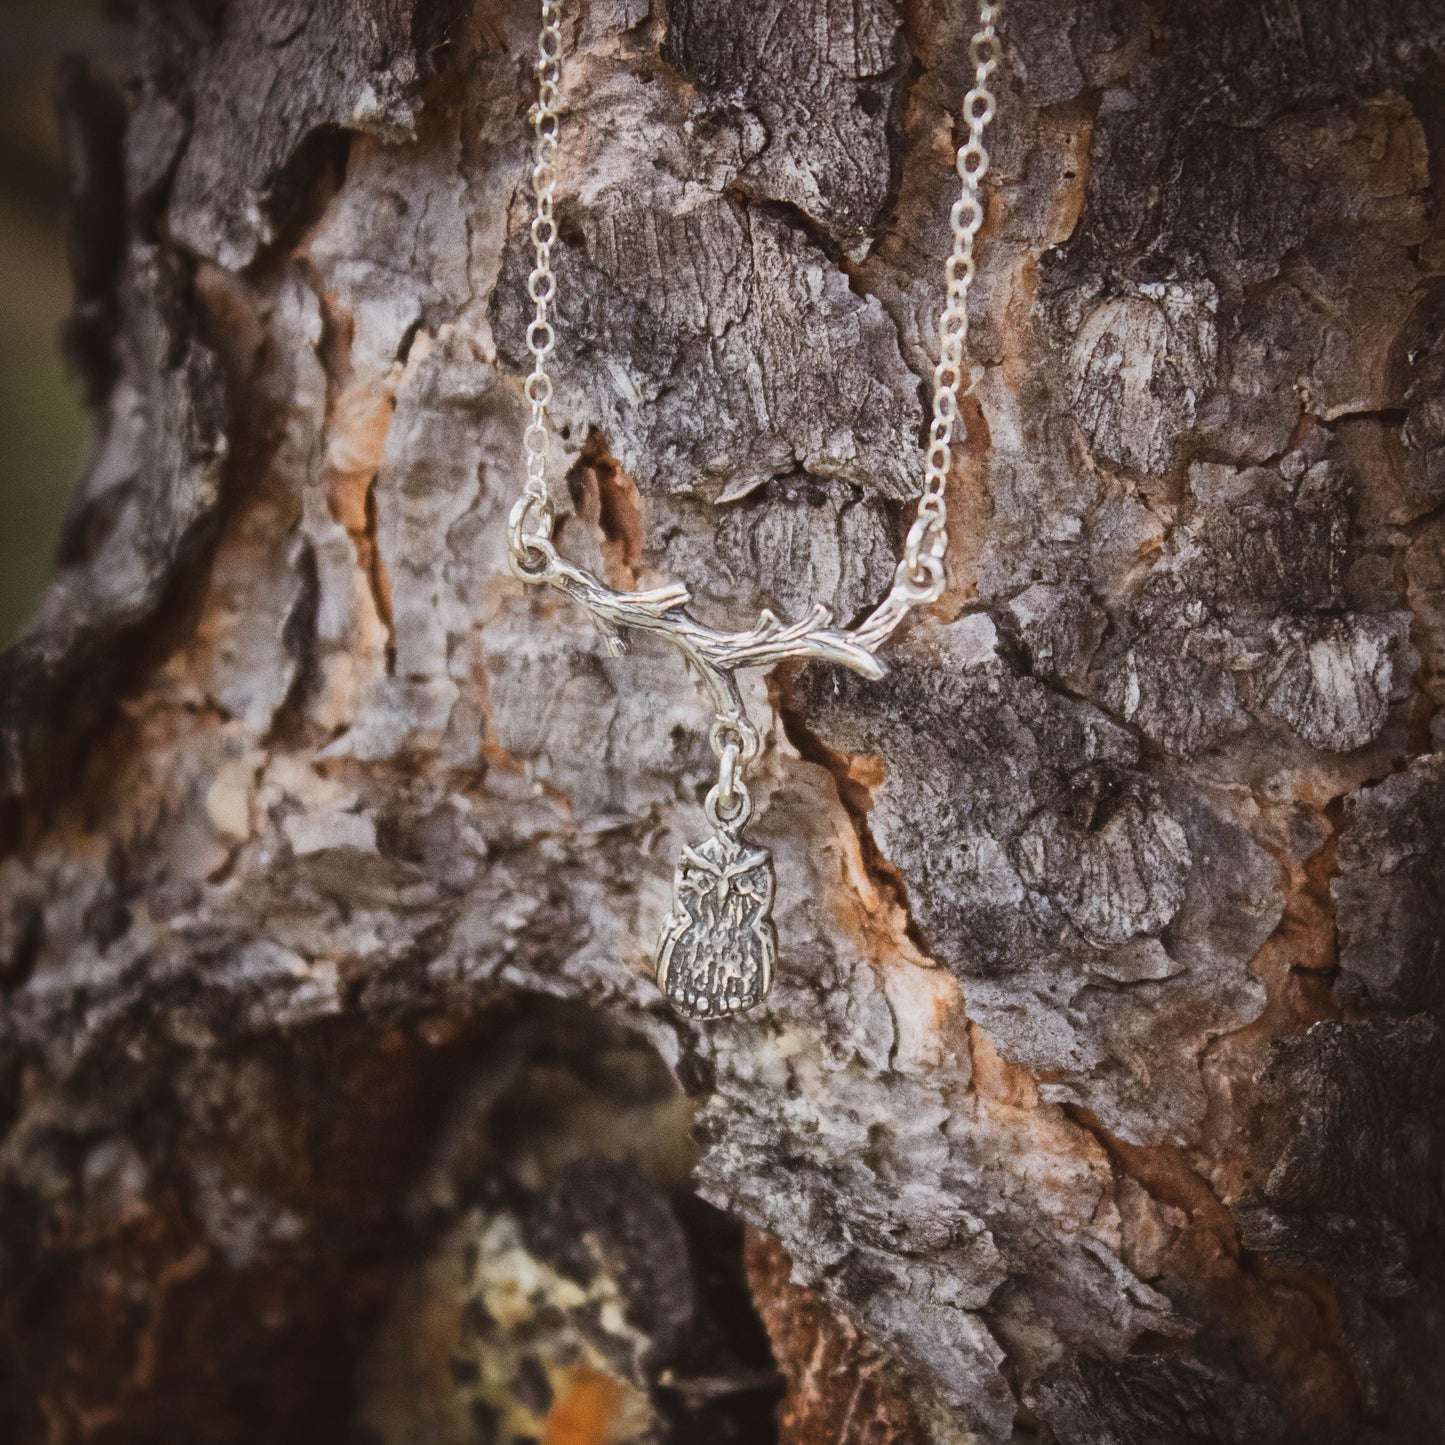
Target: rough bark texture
[[1098, 1100]]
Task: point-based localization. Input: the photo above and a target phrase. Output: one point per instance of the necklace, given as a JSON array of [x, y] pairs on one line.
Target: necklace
[[718, 945]]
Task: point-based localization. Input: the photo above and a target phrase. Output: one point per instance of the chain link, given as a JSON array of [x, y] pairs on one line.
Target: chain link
[[921, 572]]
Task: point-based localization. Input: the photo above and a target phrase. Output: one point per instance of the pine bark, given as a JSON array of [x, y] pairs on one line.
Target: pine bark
[[1099, 1097]]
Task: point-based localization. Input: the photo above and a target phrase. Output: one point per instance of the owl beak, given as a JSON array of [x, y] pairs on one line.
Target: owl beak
[[724, 887]]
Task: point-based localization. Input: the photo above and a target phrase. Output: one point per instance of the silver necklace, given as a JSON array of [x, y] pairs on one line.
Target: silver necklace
[[718, 946]]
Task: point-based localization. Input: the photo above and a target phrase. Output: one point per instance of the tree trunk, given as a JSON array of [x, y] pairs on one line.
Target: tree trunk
[[1099, 1096]]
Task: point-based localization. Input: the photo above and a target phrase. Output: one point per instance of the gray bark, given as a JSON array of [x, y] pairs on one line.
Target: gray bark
[[1098, 1100]]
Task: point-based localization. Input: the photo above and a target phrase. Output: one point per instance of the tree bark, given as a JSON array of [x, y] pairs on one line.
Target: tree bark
[[1099, 1097]]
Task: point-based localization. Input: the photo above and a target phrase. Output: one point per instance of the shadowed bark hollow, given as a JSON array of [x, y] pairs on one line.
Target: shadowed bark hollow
[[1098, 1101]]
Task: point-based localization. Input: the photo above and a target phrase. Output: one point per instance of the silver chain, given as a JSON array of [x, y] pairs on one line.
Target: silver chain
[[531, 518], [928, 537], [919, 578]]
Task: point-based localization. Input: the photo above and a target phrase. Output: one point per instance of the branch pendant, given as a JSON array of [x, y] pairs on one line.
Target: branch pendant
[[718, 947]]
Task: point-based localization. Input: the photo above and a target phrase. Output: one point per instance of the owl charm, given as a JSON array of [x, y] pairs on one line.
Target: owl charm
[[718, 947]]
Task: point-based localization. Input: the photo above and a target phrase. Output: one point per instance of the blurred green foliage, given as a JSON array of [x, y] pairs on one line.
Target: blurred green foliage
[[43, 426]]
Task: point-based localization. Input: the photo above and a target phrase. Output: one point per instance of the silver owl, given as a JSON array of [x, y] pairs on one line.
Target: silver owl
[[718, 946]]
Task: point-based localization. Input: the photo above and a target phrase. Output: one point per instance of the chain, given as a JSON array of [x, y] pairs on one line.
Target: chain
[[922, 569], [532, 516], [920, 577]]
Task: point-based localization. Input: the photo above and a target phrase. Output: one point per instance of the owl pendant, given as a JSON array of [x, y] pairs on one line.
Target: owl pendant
[[718, 947]]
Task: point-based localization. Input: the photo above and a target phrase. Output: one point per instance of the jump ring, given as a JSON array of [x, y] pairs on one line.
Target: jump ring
[[922, 581], [740, 729], [728, 778], [530, 552], [733, 819]]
